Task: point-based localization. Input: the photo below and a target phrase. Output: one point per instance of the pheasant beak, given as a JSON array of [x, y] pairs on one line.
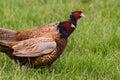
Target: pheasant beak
[[72, 26], [82, 15]]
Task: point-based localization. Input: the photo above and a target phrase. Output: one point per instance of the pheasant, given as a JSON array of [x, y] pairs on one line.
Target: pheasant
[[40, 47]]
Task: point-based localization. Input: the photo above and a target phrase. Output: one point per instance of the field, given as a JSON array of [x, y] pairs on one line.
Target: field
[[93, 51]]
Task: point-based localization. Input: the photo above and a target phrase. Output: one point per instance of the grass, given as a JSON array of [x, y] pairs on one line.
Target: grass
[[93, 51]]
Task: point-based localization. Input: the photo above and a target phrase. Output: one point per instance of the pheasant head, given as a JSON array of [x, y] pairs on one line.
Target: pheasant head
[[67, 27], [75, 16]]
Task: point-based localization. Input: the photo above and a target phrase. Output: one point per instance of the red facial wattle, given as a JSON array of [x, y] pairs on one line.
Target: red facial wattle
[[67, 25], [77, 14]]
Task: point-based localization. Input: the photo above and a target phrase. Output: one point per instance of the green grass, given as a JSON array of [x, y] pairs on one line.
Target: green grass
[[93, 51]]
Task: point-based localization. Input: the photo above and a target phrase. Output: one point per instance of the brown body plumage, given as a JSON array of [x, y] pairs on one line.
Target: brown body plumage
[[42, 59], [10, 35], [38, 46]]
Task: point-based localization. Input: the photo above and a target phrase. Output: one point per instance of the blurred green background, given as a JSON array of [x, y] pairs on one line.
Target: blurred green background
[[93, 51]]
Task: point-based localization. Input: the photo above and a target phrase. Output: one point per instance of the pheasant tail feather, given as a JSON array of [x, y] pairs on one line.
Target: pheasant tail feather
[[8, 35]]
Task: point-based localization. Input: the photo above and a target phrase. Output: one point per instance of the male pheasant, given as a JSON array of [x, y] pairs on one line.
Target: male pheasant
[[39, 46]]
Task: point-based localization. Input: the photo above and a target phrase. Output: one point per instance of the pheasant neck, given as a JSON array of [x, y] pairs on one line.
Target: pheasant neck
[[73, 20], [70, 31], [64, 33]]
